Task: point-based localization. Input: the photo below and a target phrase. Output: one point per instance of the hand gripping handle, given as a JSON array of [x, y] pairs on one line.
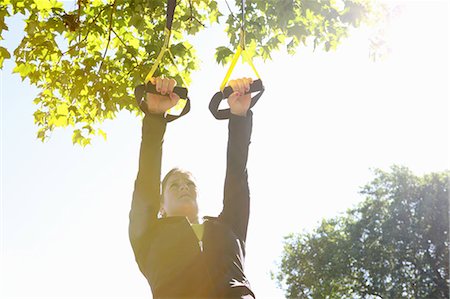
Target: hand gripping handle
[[256, 86], [141, 90], [182, 92]]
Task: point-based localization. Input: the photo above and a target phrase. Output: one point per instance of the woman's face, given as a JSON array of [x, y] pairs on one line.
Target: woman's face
[[180, 196]]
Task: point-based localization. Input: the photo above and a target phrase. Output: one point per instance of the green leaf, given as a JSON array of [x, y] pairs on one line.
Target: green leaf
[[78, 138], [61, 121], [39, 117], [41, 135], [24, 69], [62, 109], [43, 4], [89, 129], [4, 54], [223, 55], [100, 132]]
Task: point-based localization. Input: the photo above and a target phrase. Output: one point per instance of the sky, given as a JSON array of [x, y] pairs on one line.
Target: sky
[[325, 121]]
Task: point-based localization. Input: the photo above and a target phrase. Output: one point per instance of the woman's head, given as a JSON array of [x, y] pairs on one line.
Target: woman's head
[[179, 195]]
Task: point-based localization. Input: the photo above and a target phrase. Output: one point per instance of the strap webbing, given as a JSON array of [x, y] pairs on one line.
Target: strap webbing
[[171, 4]]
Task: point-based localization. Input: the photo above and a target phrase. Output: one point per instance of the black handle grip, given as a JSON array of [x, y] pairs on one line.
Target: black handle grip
[[254, 87], [182, 92]]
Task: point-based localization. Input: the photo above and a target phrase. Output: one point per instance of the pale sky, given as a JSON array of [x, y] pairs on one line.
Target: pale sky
[[324, 121]]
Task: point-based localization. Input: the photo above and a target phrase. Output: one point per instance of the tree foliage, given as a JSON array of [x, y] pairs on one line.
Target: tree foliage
[[87, 61], [395, 244]]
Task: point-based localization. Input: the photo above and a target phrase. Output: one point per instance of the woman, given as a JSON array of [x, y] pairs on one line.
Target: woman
[[179, 257]]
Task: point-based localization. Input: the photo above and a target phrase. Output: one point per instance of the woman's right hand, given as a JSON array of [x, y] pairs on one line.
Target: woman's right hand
[[160, 103]]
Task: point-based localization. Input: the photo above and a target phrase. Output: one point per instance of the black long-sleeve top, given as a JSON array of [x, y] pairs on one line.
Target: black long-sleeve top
[[167, 249]]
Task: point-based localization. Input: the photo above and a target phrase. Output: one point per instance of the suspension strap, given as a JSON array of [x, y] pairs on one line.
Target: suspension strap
[[148, 87], [226, 91]]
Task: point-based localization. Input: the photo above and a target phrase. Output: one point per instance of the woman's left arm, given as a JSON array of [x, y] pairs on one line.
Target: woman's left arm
[[236, 202]]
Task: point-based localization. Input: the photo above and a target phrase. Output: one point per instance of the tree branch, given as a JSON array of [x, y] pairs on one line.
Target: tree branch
[[109, 34], [231, 12], [123, 43], [132, 69], [87, 34], [191, 17]]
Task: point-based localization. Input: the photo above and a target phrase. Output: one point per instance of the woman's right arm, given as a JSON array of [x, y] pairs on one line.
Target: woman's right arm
[[146, 194]]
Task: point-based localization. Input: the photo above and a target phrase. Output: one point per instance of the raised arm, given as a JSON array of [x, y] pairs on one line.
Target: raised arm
[[236, 203], [146, 195]]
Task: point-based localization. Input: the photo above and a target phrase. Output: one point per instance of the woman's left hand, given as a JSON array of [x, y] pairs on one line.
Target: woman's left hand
[[239, 101]]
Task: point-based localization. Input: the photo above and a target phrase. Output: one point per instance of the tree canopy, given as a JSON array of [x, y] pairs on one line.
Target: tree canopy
[[395, 244], [87, 61]]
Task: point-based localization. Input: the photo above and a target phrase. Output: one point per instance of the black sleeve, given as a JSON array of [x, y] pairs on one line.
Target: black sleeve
[[236, 202], [146, 194]]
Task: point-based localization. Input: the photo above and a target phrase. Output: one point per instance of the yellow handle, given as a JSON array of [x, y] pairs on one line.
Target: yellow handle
[[155, 65], [238, 53], [249, 60], [230, 69], [164, 49]]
